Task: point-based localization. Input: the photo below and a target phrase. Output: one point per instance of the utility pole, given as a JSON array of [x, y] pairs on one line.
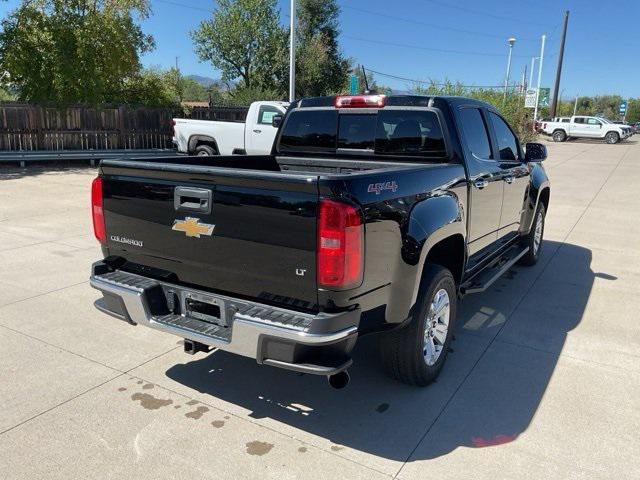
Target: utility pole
[[554, 102], [511, 41], [523, 85], [292, 53], [575, 106], [535, 112]]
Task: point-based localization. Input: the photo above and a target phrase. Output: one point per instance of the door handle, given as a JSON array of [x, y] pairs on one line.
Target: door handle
[[480, 184], [257, 131], [509, 179]]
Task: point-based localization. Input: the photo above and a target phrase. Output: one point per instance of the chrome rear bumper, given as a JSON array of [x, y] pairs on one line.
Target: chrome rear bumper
[[271, 335]]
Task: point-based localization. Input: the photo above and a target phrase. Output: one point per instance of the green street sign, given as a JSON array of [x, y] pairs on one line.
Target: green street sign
[[354, 85], [543, 99]]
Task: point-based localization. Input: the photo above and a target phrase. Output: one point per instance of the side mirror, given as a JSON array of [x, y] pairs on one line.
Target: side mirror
[[277, 120], [535, 152]]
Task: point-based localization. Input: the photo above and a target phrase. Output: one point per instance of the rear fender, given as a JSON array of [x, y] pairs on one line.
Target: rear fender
[[432, 220], [195, 139], [539, 182]]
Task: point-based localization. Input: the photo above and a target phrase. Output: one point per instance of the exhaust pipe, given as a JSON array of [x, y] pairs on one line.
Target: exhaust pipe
[[339, 380]]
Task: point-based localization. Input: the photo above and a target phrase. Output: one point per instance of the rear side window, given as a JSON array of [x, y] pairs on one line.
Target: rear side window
[[507, 141], [475, 133], [310, 131]]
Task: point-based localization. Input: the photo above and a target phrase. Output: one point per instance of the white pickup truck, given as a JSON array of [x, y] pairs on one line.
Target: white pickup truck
[[254, 136], [585, 127]]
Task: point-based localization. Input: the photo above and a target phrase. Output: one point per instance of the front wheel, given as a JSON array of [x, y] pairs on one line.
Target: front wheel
[[611, 138], [415, 353], [534, 239]]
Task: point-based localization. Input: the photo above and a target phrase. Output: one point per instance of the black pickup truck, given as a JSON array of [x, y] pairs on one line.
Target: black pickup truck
[[373, 214]]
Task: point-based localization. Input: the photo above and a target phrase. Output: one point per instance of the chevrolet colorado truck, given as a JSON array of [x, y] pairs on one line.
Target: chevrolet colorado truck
[[206, 138], [372, 214], [561, 129]]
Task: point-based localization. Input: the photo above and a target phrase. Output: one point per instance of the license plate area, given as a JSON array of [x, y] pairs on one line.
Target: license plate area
[[205, 308]]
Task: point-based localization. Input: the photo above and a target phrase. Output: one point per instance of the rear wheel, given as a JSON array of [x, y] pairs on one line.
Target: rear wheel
[[559, 136], [205, 151], [534, 239], [416, 353], [611, 138]]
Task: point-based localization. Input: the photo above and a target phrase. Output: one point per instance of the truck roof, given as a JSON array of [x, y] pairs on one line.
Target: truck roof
[[398, 100]]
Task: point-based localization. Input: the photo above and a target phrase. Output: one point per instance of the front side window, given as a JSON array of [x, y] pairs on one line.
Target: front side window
[[507, 141], [475, 133], [593, 121]]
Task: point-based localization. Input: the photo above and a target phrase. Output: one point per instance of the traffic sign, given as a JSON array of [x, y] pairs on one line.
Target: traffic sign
[[623, 108], [354, 86], [543, 100]]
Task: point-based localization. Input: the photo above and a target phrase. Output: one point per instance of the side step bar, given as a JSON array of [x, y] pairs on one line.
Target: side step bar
[[487, 277]]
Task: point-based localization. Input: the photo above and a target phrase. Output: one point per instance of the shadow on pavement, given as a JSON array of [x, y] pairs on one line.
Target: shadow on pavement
[[11, 172], [377, 415]]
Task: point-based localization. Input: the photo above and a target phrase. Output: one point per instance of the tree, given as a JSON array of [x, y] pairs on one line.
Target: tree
[[244, 41], [73, 51], [320, 67]]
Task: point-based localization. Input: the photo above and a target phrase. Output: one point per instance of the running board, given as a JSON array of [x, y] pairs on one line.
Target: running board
[[487, 277]]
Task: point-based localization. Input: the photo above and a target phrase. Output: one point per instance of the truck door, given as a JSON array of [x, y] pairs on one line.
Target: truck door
[[259, 132], [593, 127], [515, 176], [486, 185]]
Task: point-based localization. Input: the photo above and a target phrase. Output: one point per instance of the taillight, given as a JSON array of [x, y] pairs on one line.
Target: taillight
[[360, 101], [97, 211], [340, 245]]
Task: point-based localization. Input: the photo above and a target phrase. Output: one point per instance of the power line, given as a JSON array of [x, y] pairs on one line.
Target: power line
[[482, 13], [430, 49], [184, 5], [413, 80], [432, 25]]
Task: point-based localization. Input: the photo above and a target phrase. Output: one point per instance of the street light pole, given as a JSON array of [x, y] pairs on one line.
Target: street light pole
[[511, 41], [554, 102], [535, 112], [292, 53], [575, 106]]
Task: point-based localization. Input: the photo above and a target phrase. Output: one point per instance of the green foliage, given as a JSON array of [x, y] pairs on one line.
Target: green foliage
[[193, 91], [244, 41], [512, 108], [633, 110], [73, 51], [320, 67]]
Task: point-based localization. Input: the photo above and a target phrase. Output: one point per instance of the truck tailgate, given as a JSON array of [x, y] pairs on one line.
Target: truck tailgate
[[256, 240]]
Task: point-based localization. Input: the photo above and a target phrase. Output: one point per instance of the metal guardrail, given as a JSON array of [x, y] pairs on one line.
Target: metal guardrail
[[93, 156]]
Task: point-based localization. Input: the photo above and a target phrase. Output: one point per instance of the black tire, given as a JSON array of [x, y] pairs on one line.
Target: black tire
[[531, 257], [559, 136], [612, 138], [403, 350], [205, 151]]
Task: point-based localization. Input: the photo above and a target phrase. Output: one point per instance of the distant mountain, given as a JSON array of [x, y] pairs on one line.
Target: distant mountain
[[204, 81]]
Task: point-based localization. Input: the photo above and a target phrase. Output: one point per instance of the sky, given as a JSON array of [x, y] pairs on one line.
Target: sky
[[459, 40]]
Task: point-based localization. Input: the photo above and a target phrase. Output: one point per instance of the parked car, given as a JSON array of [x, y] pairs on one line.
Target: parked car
[[585, 127], [214, 137], [372, 214]]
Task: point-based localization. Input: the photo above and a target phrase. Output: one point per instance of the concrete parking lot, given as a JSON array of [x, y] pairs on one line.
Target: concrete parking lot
[[543, 380]]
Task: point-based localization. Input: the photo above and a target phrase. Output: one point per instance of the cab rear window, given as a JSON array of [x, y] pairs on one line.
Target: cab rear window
[[388, 132]]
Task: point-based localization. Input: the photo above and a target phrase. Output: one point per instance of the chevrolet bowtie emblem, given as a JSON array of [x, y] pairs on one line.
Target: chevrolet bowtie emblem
[[192, 227]]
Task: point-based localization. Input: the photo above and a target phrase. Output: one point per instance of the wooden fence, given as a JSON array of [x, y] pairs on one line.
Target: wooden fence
[[34, 127], [28, 127]]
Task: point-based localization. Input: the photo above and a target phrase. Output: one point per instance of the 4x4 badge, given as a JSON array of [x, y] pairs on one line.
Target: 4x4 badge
[[192, 227]]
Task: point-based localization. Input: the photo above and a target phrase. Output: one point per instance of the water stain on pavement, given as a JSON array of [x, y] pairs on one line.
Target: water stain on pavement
[[122, 389], [147, 386], [150, 402], [197, 413], [383, 407], [218, 423], [193, 402], [302, 449], [258, 448], [139, 382], [336, 448]]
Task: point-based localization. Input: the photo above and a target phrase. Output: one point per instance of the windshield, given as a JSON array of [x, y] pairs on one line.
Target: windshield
[[388, 132]]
